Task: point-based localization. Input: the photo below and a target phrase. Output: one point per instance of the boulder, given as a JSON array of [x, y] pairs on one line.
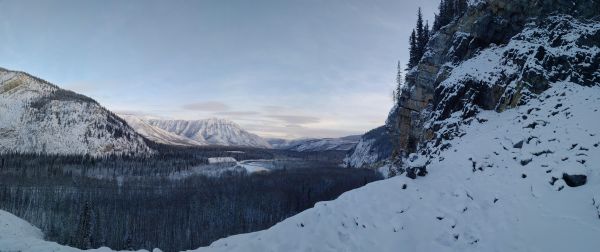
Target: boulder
[[574, 180]]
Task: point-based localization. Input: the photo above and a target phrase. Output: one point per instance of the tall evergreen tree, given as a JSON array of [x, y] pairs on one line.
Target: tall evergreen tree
[[399, 83], [412, 42], [84, 229], [439, 20], [426, 35], [450, 10], [420, 34], [436, 22]]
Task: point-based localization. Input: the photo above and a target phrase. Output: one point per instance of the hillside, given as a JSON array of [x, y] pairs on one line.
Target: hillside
[[39, 117]]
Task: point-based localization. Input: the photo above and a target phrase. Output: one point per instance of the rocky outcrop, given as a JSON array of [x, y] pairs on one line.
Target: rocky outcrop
[[498, 55]]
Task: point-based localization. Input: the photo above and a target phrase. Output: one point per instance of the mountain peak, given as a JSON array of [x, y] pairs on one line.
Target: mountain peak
[[211, 131]]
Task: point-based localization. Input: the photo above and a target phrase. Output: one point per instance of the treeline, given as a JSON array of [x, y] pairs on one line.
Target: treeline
[[172, 215], [169, 160]]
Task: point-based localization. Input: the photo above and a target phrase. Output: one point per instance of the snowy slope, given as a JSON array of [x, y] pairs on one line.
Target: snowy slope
[[372, 149], [18, 235], [156, 134], [504, 206], [38, 117], [315, 144], [211, 131]]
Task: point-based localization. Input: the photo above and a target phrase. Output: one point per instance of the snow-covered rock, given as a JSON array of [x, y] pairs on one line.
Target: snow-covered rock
[[315, 144], [39, 117], [211, 131]]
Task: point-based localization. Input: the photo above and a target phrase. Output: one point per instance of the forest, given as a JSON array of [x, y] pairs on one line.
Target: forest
[[138, 206]]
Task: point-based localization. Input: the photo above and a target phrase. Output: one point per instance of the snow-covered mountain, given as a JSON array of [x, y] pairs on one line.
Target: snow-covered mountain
[[372, 149], [211, 131], [39, 117], [156, 134], [315, 144]]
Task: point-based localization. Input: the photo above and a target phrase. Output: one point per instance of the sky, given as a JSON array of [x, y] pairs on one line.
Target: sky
[[279, 68]]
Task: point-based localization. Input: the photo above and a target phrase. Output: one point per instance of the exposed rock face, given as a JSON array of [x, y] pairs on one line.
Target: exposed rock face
[[498, 55]]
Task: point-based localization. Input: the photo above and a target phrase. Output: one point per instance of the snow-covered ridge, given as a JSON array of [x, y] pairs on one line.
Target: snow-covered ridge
[[316, 144], [156, 134], [211, 131], [39, 117]]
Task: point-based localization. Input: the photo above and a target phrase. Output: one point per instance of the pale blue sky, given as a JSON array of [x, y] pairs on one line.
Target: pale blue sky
[[280, 68]]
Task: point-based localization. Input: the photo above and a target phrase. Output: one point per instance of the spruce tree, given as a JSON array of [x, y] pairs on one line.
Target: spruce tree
[[399, 83], [440, 18], [426, 35], [84, 229], [420, 34], [450, 11], [412, 41]]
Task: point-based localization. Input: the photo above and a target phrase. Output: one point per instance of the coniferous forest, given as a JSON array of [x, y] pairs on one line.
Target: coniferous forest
[[135, 203]]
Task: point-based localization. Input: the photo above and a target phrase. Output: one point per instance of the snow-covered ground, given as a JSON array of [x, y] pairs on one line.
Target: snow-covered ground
[[484, 193], [252, 166], [492, 189], [220, 160], [19, 235]]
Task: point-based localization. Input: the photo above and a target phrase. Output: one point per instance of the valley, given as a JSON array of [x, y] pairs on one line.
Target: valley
[[175, 201], [260, 129]]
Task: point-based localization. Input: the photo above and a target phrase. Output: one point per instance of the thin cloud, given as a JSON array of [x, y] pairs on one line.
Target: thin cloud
[[207, 106], [295, 119], [236, 113], [273, 108]]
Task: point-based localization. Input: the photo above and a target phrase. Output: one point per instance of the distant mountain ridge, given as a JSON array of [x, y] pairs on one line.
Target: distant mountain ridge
[[212, 131], [157, 134], [39, 117], [316, 144]]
